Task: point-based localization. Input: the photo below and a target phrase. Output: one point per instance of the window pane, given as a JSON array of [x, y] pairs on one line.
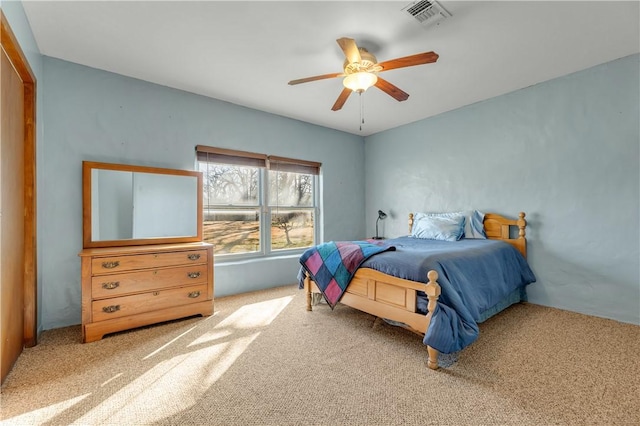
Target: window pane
[[290, 189], [229, 185], [232, 231], [291, 228]]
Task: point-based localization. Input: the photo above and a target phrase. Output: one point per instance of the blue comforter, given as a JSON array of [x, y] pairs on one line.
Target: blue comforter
[[475, 275]]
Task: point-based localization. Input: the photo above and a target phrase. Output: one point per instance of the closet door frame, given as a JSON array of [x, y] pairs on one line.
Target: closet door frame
[[18, 59]]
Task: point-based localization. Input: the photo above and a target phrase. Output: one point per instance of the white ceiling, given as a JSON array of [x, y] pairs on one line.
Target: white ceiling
[[245, 52]]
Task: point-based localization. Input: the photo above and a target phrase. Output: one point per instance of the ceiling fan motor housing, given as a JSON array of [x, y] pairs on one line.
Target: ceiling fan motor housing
[[368, 63]]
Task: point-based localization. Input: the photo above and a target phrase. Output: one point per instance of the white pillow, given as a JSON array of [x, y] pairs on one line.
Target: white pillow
[[438, 226], [474, 225]]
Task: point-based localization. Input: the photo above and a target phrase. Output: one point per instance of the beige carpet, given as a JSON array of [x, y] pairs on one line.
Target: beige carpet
[[263, 360]]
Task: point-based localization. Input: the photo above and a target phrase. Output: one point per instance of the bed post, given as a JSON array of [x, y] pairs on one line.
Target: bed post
[[433, 293], [410, 222], [307, 289], [522, 224]]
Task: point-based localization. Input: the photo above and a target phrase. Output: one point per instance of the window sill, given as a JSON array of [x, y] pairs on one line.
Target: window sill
[[255, 259]]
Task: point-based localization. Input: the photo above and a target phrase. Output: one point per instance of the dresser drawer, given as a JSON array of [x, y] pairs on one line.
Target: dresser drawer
[[145, 302], [145, 280], [106, 265]]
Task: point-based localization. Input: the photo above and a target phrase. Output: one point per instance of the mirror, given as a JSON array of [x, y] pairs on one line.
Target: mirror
[[133, 205]]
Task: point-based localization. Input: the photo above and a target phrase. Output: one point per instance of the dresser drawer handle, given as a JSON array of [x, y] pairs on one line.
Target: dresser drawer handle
[[194, 294], [195, 256], [111, 285], [111, 309], [110, 265], [193, 274]]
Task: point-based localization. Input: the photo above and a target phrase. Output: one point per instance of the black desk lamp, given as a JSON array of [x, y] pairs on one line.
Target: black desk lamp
[[381, 215]]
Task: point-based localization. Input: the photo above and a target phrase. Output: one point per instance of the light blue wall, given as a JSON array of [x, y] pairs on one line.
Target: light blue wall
[[19, 24], [566, 152], [100, 116]]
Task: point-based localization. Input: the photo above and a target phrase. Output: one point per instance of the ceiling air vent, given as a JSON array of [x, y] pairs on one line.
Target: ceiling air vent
[[426, 12]]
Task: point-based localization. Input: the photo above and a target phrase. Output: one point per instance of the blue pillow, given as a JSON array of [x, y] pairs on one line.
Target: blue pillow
[[474, 225], [438, 226]]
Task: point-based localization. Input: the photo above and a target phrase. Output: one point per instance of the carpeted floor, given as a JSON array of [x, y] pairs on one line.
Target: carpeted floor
[[262, 359]]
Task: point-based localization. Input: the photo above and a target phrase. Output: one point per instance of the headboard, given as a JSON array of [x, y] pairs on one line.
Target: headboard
[[497, 227]]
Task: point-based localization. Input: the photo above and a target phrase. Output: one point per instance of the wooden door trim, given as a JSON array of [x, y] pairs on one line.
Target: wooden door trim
[[19, 61]]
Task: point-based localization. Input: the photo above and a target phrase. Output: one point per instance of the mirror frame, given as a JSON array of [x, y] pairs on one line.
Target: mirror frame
[[88, 166]]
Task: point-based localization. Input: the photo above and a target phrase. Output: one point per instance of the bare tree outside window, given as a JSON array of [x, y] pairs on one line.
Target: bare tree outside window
[[231, 185], [291, 201], [231, 208]]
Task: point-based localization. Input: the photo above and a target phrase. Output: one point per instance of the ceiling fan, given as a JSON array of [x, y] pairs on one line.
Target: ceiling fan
[[361, 68]]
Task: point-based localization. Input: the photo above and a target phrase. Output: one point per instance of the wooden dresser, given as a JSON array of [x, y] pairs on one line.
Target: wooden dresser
[[132, 286]]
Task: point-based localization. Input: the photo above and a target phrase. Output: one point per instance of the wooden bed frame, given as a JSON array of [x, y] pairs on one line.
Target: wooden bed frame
[[393, 298]]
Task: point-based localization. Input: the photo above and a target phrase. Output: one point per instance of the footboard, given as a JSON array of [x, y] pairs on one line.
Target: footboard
[[389, 297]]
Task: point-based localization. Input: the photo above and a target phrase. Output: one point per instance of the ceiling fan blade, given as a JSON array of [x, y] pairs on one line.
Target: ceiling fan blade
[[409, 61], [350, 49], [391, 90], [341, 99], [315, 78]]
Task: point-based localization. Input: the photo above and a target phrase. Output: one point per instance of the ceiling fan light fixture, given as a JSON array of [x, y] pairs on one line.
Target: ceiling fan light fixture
[[360, 81]]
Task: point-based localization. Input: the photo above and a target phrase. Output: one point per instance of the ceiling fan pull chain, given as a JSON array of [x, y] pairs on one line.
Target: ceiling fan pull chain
[[361, 110]]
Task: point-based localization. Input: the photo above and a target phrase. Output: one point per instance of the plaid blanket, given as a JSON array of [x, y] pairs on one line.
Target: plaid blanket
[[332, 265]]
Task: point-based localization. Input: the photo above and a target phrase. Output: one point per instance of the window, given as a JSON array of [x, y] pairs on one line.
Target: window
[[291, 203], [255, 204]]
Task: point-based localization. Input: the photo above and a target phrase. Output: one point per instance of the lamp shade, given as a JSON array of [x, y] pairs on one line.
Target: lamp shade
[[381, 214], [360, 81]]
